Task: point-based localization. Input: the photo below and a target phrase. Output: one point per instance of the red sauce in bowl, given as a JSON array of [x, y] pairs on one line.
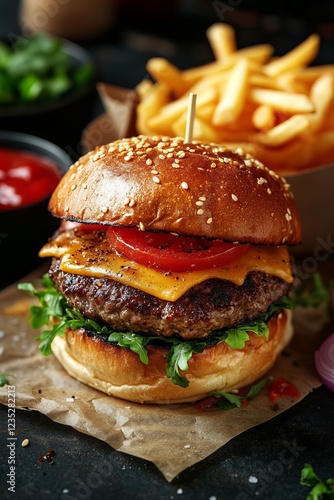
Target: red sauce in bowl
[[25, 178]]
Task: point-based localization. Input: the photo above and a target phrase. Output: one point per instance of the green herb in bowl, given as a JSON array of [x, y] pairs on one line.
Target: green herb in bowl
[[39, 69]]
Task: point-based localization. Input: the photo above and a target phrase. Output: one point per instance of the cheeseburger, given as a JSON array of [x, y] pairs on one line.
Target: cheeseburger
[[171, 269]]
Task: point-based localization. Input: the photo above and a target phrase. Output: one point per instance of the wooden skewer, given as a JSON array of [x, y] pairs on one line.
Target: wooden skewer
[[190, 117]]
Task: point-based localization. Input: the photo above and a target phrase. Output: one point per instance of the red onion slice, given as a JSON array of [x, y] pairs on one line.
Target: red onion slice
[[324, 362]]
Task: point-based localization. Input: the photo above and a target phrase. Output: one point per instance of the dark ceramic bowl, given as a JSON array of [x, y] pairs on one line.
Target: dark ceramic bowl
[[24, 230], [61, 121]]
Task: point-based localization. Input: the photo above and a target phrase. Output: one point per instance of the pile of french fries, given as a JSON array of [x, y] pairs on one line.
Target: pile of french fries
[[279, 109]]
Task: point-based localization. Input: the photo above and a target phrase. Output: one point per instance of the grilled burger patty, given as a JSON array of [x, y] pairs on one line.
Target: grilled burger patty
[[211, 305]]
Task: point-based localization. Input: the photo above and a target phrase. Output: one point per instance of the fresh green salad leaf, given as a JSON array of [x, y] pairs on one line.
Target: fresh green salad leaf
[[178, 357], [38, 69], [135, 342], [226, 401], [313, 292], [3, 379], [319, 490]]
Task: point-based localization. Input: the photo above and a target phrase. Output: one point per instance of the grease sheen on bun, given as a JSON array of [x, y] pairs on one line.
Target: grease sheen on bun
[[164, 184], [119, 372]]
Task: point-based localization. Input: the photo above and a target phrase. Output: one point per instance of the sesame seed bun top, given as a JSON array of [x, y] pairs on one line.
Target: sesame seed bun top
[[161, 183]]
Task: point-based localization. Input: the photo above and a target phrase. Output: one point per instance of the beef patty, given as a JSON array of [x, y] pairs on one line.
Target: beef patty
[[211, 305]]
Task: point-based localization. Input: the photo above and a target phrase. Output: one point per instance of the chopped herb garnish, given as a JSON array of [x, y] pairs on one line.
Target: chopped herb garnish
[[319, 490], [3, 379]]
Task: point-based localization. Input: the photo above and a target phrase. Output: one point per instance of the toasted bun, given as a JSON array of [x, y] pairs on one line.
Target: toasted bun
[[119, 372], [159, 183]]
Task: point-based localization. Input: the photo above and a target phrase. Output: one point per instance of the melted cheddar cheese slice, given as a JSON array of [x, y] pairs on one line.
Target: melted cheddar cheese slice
[[89, 254]]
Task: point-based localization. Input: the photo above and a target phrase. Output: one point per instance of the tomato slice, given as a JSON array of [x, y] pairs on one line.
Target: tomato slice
[[169, 252]]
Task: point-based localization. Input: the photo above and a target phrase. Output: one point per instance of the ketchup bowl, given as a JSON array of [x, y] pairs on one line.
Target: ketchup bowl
[[30, 169]]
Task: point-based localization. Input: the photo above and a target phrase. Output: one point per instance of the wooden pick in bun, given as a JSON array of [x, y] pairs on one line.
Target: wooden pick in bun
[[222, 222]]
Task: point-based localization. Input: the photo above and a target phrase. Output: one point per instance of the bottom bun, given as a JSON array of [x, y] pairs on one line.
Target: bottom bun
[[118, 371]]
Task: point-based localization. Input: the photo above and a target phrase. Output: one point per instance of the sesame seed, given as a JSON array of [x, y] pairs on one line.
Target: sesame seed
[[84, 186], [213, 165], [184, 185], [154, 172], [156, 180], [73, 186], [175, 165], [162, 157], [170, 155], [132, 202], [234, 197], [25, 443], [199, 203], [288, 217], [127, 158], [181, 154], [269, 191], [149, 161], [104, 210], [141, 226], [209, 220], [200, 211], [126, 201], [202, 198]]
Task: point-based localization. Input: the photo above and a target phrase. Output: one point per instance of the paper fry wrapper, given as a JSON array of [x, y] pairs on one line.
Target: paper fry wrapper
[[173, 437], [117, 122]]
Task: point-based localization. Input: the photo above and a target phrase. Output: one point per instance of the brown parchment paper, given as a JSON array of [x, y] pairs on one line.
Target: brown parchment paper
[[172, 437]]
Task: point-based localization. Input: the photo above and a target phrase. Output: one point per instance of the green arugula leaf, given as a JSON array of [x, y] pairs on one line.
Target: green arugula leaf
[[177, 359], [135, 342], [313, 292], [3, 379], [237, 337], [227, 401], [319, 490]]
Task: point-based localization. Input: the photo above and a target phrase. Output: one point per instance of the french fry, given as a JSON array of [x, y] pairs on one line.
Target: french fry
[[278, 108], [292, 156], [283, 101], [221, 37], [322, 95], [263, 117], [299, 57], [164, 71], [257, 53], [234, 94], [285, 131], [150, 105], [162, 123], [311, 73]]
